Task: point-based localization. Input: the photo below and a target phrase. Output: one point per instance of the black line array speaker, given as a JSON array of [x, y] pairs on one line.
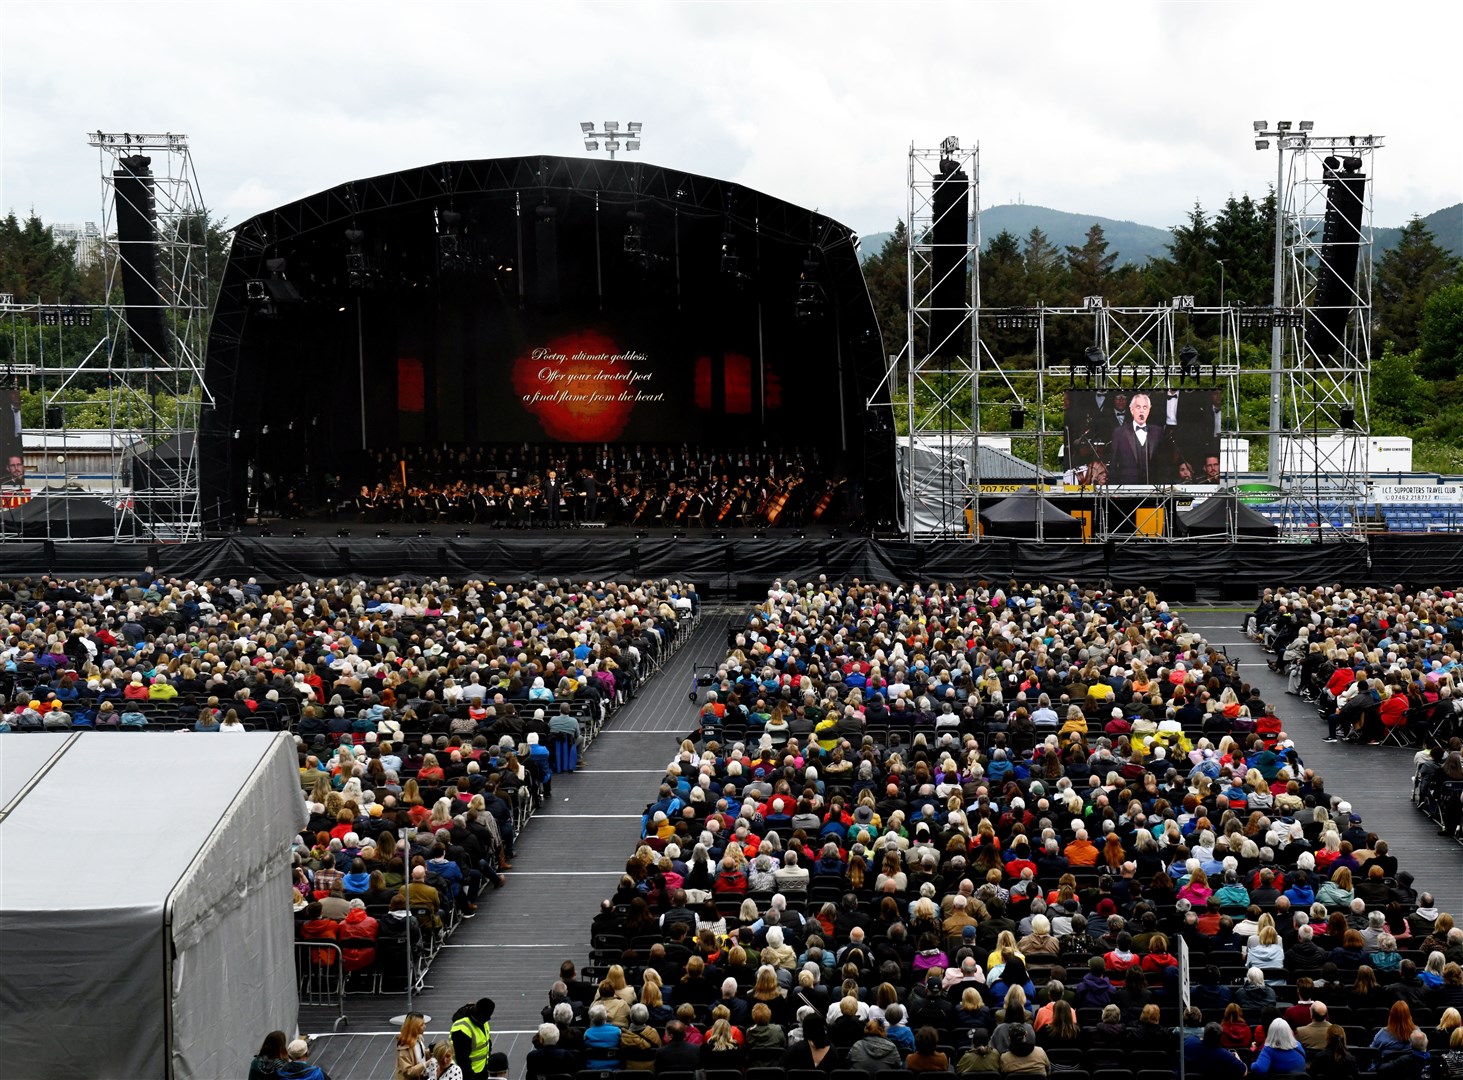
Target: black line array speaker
[[950, 295], [137, 244], [1340, 252]]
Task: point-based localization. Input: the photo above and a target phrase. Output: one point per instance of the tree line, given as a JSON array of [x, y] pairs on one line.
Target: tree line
[[1417, 307]]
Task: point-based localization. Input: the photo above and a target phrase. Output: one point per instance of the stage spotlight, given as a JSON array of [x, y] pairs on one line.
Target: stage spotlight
[[799, 534], [1094, 361], [1018, 417], [811, 303], [1262, 144], [1259, 125], [586, 126], [297, 533], [678, 534], [424, 532], [1283, 125], [591, 144], [729, 261], [266, 532], [1188, 362], [633, 127], [758, 534], [1331, 161], [1307, 125], [344, 534], [1348, 417], [834, 534], [641, 534], [720, 534], [463, 534], [1352, 165], [382, 534]]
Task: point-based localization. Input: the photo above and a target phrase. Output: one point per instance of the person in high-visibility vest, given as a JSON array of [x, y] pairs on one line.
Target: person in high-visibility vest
[[472, 1038]]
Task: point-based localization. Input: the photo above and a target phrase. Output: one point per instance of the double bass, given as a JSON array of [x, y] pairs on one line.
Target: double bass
[[825, 500], [778, 503]]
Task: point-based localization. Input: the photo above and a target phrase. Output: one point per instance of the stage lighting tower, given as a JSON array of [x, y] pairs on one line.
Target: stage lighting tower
[[610, 136], [1286, 138]]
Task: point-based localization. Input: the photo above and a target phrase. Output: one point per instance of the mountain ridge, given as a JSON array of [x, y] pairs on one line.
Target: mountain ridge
[[1136, 242]]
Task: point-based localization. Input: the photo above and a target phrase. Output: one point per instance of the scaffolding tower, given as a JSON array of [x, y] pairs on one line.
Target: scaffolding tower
[[938, 448], [144, 349], [1327, 234]]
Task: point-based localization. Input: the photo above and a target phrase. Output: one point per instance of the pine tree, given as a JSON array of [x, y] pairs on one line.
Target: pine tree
[[1440, 337], [887, 277], [1090, 267], [1002, 272], [1405, 277], [1043, 265], [1244, 239]]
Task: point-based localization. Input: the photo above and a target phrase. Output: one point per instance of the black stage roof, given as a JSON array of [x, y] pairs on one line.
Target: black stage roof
[[404, 309]]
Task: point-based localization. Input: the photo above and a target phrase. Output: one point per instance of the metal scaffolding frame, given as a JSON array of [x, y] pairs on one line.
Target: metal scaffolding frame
[[941, 410], [1140, 347], [149, 442], [165, 504], [1325, 391]]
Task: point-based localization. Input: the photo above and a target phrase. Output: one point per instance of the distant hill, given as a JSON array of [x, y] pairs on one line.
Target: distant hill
[[1136, 243], [1446, 225]]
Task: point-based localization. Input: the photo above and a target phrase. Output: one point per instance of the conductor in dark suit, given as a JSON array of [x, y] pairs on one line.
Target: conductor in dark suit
[[1139, 449], [553, 497]]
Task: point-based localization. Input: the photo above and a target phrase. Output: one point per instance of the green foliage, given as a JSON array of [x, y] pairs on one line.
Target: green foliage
[[887, 277], [1405, 277], [1440, 338], [34, 267], [1399, 394], [1090, 267], [1042, 263]]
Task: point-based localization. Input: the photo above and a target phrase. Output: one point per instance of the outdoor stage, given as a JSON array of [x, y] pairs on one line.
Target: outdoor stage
[[743, 564]]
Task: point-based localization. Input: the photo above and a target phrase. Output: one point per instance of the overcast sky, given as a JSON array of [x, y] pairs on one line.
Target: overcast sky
[[1129, 110]]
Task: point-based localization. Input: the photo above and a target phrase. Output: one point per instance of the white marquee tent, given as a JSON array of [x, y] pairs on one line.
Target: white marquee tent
[[145, 923]]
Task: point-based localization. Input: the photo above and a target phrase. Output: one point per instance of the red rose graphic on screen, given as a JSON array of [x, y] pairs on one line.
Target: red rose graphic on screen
[[557, 382]]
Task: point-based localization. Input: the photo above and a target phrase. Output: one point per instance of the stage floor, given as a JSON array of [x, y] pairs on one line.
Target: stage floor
[[589, 532]]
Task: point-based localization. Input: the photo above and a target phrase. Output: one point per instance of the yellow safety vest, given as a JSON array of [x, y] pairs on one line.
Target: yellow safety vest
[[482, 1042]]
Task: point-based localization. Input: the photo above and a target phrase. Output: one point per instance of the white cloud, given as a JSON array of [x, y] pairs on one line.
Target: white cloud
[[1131, 110]]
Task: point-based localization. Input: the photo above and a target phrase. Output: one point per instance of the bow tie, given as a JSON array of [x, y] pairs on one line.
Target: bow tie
[[1140, 427]]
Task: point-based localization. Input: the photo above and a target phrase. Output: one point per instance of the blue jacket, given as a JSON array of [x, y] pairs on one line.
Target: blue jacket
[[602, 1047], [1279, 1061]]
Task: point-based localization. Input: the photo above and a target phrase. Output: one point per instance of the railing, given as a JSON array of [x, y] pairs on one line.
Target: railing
[[320, 971]]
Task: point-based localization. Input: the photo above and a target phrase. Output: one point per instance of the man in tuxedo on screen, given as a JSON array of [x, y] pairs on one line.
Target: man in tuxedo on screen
[[1139, 448]]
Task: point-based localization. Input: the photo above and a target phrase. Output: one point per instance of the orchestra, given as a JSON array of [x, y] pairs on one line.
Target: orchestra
[[559, 486]]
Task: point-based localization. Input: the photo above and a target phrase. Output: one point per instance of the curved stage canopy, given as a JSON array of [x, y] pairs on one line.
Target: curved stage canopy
[[537, 299]]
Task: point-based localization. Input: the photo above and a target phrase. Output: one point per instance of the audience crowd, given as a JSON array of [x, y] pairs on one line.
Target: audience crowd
[[429, 718], [933, 829], [1376, 661]]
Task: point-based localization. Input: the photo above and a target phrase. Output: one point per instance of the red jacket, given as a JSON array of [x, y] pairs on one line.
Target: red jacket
[[357, 937]]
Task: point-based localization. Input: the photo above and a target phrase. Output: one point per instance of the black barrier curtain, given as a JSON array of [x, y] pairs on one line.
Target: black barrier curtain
[[732, 565]]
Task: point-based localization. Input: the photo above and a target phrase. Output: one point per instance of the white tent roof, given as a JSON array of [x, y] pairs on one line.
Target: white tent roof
[[145, 922]]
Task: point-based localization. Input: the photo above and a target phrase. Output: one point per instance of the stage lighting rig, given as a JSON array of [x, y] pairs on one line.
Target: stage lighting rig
[[1095, 361], [610, 136], [1284, 140], [1188, 363]]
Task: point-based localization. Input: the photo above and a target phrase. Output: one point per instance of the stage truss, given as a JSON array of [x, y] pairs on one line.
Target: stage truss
[[940, 418], [1326, 382], [1004, 389], [153, 393]]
